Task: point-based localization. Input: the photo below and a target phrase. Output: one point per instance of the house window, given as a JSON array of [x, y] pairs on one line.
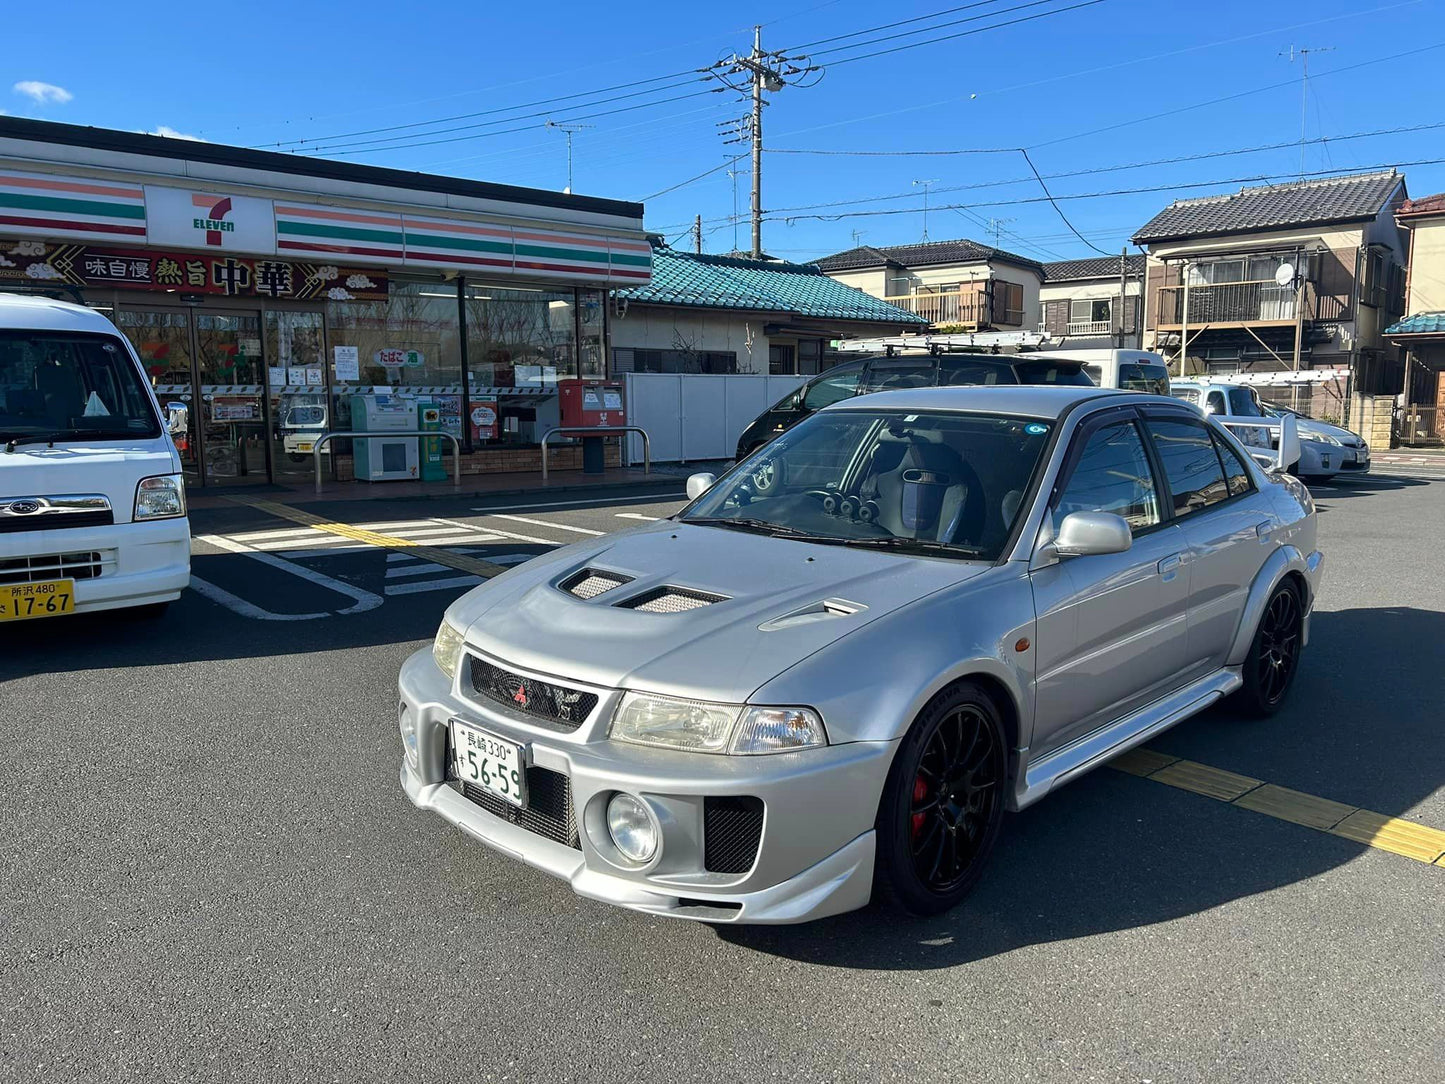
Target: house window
[[1008, 302], [783, 359], [810, 356], [1089, 316]]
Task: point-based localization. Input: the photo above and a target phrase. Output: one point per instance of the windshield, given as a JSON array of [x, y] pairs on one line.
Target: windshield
[[945, 483], [71, 386], [1144, 377], [299, 416]]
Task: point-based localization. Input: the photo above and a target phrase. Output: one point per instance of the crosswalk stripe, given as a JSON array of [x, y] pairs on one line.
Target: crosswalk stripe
[[417, 568], [549, 523], [416, 587], [392, 526], [636, 515], [257, 536]]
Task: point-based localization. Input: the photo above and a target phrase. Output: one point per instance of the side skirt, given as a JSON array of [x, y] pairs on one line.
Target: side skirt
[[1091, 750]]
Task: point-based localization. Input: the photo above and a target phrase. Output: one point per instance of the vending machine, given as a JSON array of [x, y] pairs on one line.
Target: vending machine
[[379, 459]]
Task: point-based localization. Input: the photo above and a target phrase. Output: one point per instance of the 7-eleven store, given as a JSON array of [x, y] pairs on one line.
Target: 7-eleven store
[[264, 291]]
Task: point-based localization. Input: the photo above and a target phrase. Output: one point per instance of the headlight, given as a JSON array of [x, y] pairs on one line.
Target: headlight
[[631, 827], [703, 727], [161, 497], [1325, 438], [446, 649]]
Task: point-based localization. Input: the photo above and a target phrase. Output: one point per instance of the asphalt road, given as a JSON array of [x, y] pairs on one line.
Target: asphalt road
[[209, 872]]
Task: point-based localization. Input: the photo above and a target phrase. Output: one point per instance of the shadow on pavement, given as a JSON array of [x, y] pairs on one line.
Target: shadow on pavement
[[1112, 852]]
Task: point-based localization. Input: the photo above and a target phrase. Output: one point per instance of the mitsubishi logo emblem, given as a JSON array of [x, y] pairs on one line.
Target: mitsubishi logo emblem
[[520, 696]]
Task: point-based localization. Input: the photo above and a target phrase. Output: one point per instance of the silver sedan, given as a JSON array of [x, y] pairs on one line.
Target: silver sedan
[[829, 677]]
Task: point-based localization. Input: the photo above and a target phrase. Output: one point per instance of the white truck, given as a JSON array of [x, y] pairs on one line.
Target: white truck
[[92, 502]]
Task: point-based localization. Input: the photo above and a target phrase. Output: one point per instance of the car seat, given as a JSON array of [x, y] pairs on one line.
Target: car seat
[[924, 489]]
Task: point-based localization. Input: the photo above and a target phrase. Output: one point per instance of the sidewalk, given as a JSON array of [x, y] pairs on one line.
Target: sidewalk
[[1410, 455], [559, 483]]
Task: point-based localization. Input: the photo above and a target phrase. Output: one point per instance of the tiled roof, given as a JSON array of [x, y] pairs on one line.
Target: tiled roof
[[1422, 323], [1299, 203], [924, 254], [1425, 205], [728, 282], [1096, 267]]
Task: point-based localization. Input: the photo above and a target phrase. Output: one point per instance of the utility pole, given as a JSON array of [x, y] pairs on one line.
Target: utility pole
[[1123, 290], [569, 130], [697, 234], [733, 175], [1303, 55], [765, 72], [925, 185]]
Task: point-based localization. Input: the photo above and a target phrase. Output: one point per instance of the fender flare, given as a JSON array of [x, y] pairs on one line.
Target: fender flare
[[1280, 563]]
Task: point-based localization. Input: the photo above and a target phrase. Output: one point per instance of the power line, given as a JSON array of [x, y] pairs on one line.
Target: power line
[[690, 180], [1055, 205], [890, 26], [936, 26], [967, 33]]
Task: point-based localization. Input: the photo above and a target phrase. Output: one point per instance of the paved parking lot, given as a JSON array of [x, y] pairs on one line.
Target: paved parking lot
[[210, 873]]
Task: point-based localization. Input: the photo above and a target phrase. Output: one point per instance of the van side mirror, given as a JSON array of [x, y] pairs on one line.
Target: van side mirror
[[698, 484], [1289, 449]]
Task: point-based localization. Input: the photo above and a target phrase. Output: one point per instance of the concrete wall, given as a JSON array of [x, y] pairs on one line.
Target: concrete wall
[[874, 281], [653, 327]]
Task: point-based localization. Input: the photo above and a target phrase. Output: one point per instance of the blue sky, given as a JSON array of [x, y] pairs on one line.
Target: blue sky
[[270, 74]]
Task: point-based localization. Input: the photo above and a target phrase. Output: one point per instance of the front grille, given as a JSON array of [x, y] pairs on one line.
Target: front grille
[[53, 566], [591, 582], [51, 521], [554, 705], [670, 600], [549, 812], [732, 828]]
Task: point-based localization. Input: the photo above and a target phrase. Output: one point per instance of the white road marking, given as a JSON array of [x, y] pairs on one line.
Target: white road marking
[[257, 536], [651, 499], [555, 526], [484, 531], [418, 586], [364, 600], [301, 555], [393, 525], [638, 515], [316, 541], [420, 568], [206, 589]]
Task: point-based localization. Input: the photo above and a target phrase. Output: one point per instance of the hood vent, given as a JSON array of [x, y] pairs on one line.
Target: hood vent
[[670, 600], [591, 582]]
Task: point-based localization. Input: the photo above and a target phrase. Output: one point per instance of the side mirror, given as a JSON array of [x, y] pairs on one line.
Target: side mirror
[[1087, 534], [698, 484], [1289, 450]]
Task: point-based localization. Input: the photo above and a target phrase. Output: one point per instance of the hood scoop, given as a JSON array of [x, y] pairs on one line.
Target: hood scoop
[[591, 582], [822, 610], [670, 600]]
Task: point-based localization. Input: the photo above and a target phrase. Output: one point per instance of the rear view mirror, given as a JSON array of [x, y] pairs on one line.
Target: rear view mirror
[[1289, 450], [698, 484]]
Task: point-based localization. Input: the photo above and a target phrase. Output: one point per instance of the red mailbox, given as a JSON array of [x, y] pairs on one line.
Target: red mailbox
[[592, 404]]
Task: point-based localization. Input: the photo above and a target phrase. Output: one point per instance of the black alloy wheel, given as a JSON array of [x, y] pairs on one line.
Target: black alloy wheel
[[944, 803], [1274, 656]]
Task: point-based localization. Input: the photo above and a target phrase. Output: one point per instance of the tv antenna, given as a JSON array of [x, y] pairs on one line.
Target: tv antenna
[[1303, 55], [569, 130]]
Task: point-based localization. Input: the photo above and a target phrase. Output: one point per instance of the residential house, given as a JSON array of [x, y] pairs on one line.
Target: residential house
[[725, 314], [1094, 303], [954, 285], [1421, 334], [1304, 275]]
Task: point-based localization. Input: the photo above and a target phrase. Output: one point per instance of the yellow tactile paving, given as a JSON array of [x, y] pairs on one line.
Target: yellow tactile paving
[[1402, 837], [385, 541]]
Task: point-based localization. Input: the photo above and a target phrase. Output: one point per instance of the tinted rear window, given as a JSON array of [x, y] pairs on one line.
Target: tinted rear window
[[1052, 372], [975, 372]]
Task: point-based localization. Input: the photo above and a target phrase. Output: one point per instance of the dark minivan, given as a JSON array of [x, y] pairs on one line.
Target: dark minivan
[[912, 371]]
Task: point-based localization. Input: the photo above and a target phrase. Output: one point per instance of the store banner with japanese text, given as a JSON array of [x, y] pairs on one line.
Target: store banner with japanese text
[[33, 263]]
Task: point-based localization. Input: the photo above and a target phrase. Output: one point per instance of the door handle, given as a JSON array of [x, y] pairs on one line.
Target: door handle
[[1264, 530], [1169, 565]]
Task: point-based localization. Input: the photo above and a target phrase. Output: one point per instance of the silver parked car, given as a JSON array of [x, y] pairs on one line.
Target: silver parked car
[[945, 603]]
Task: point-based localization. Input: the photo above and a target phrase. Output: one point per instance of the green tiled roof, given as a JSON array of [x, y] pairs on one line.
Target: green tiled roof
[[1422, 323], [729, 282]]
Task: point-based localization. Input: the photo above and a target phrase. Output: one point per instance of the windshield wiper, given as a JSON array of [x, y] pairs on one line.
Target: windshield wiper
[[762, 526], [13, 442], [917, 545]]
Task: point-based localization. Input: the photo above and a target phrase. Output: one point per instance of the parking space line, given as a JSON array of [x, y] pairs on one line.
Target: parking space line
[[473, 565], [1384, 833], [416, 587]]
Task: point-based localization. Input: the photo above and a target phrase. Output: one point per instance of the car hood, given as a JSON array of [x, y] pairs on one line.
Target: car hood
[[1310, 428], [782, 601], [111, 467]]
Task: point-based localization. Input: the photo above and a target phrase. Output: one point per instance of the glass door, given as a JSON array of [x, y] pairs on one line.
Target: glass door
[[162, 338], [231, 379], [296, 384]]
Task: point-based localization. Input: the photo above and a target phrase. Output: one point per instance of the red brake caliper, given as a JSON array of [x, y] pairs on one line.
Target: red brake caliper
[[920, 792]]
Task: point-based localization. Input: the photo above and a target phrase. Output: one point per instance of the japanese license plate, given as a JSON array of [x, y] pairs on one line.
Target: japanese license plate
[[487, 761], [46, 599], [303, 446]]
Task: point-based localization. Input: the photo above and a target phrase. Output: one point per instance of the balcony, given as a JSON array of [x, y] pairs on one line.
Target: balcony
[[967, 306], [1090, 327], [1237, 304]]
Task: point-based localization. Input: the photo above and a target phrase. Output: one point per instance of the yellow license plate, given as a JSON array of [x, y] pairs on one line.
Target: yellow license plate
[[50, 598], [306, 447]]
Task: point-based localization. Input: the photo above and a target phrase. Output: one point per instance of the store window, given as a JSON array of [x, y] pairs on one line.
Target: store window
[[592, 323], [522, 336], [411, 338]]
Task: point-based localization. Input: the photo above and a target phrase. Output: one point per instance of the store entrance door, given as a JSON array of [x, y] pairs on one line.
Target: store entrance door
[[210, 379]]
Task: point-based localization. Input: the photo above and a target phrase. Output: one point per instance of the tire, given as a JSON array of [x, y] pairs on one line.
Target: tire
[[1274, 656], [957, 746]]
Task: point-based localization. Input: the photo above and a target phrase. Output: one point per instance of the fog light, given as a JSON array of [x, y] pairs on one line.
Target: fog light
[[407, 722], [631, 827]]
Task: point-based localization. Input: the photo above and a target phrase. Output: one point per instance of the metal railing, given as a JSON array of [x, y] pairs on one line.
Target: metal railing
[[1232, 303], [1090, 327], [602, 431], [388, 434], [1418, 425]]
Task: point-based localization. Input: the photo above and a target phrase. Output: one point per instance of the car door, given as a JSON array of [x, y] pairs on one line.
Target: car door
[[1225, 520], [1111, 628]]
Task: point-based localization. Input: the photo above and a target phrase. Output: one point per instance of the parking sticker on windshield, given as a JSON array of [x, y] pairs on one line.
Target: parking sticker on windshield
[[1035, 429]]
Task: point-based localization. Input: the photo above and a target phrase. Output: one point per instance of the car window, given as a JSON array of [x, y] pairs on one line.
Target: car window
[[1243, 403], [1112, 474], [1215, 403], [900, 373], [1191, 465], [832, 387], [1236, 474], [63, 382], [1140, 376], [1069, 374], [1189, 395], [975, 372]]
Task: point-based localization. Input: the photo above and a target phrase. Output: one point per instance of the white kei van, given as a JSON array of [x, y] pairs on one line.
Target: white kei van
[[92, 505], [1131, 370]]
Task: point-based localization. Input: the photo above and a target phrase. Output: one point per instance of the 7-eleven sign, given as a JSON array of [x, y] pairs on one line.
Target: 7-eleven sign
[[228, 221]]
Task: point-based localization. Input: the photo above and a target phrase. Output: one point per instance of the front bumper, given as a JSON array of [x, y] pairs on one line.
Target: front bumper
[[140, 563], [815, 856]]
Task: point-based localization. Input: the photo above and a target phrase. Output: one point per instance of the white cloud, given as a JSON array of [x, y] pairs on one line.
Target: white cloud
[[42, 93], [171, 133], [359, 282]]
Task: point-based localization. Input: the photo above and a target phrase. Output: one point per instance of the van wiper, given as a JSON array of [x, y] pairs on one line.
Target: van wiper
[[61, 434], [915, 545]]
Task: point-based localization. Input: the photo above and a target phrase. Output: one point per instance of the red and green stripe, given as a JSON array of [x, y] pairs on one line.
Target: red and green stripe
[[70, 206]]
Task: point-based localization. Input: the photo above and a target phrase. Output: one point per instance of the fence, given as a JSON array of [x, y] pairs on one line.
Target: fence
[[692, 416], [1418, 425]]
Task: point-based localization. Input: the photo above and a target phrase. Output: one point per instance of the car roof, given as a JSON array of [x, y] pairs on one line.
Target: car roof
[[1026, 400], [31, 311]]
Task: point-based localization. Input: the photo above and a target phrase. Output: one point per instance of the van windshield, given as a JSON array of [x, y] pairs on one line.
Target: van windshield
[[72, 386]]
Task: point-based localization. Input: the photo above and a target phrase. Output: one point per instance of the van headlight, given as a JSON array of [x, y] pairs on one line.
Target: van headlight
[[702, 727], [160, 497], [446, 649]]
